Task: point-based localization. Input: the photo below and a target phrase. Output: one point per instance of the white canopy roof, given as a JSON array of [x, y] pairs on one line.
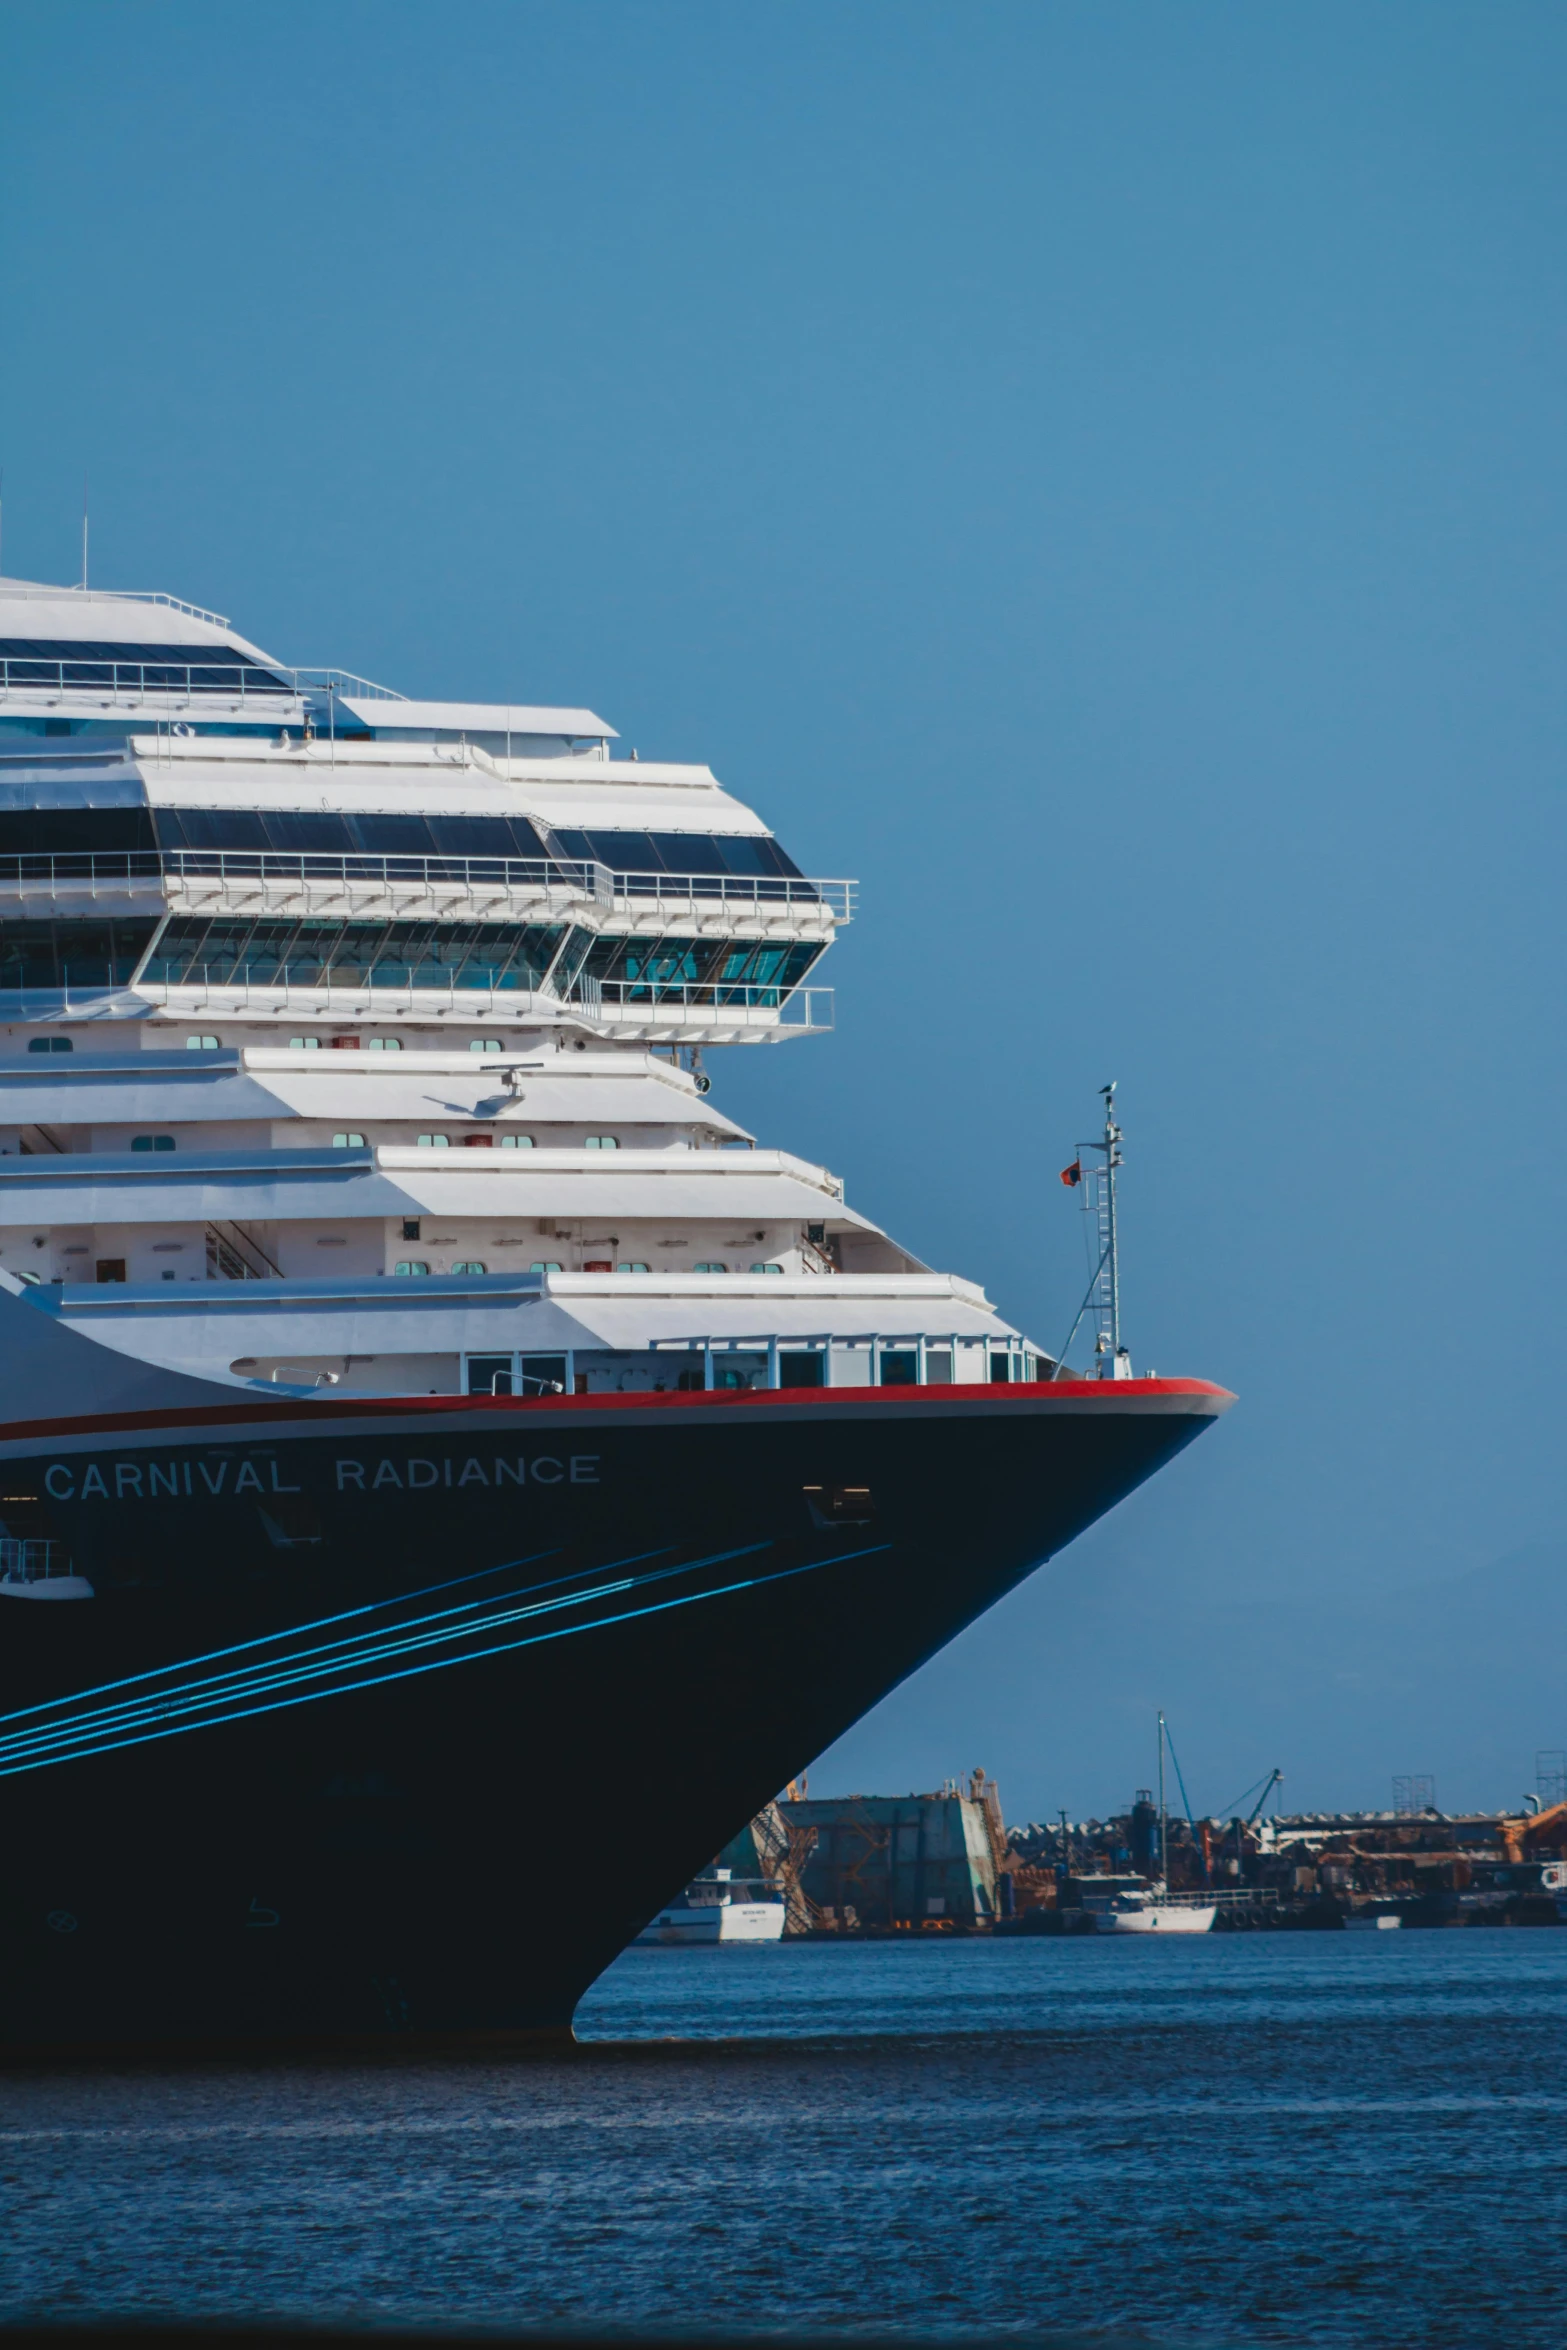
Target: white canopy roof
[[347, 1088], [30, 608], [206, 1328], [517, 718]]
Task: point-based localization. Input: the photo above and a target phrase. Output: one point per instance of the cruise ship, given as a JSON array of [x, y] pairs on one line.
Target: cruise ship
[[433, 1431]]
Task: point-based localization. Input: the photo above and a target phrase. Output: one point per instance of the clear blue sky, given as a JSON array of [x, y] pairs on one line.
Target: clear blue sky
[[1096, 474]]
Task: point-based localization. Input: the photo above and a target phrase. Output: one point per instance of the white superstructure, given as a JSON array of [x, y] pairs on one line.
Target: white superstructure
[[357, 1041]]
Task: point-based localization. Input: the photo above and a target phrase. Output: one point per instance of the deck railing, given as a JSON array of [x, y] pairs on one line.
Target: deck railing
[[32, 674], [71, 871]]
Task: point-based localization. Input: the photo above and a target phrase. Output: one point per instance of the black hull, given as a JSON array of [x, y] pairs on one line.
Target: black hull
[[479, 1712]]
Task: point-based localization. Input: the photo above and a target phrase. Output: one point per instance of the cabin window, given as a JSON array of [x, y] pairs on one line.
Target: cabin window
[[633, 1268], [478, 1142], [386, 1044], [938, 1366], [489, 1375], [603, 1142], [201, 1044], [348, 1142], [516, 1142], [434, 1142], [472, 1266], [1000, 1370], [152, 1142], [799, 1368], [543, 1374], [51, 1044], [540, 1268], [900, 1367], [485, 1044], [767, 1268], [109, 1269], [711, 1267], [410, 1266], [304, 1044]]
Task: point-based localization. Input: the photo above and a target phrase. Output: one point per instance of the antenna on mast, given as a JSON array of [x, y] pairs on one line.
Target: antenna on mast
[[1103, 1295]]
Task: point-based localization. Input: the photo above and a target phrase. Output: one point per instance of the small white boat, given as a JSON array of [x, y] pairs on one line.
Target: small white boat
[[1373, 1922], [32, 1569], [707, 1912], [1155, 1912]]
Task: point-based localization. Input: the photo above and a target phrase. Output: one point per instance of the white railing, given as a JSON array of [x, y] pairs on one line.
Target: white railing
[[531, 876], [343, 681], [225, 674], [647, 1001], [157, 596], [764, 1011]]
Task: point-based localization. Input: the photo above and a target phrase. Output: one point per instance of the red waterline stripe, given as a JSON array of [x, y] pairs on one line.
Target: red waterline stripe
[[910, 1399]]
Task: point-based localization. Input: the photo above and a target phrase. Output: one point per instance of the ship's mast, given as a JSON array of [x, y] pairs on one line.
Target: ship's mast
[[1109, 1262], [1103, 1298]]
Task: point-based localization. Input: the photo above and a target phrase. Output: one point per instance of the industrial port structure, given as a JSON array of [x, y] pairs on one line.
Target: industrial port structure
[[944, 1862]]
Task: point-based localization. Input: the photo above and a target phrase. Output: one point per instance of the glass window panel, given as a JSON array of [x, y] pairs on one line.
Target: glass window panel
[[900, 1367], [472, 836], [689, 852], [219, 828], [308, 830], [399, 836], [624, 852], [489, 1374]]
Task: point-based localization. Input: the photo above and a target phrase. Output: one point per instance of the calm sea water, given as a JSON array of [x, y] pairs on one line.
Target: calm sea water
[[1315, 2139]]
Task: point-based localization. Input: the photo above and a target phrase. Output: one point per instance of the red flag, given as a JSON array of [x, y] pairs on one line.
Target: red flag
[[1074, 1173]]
